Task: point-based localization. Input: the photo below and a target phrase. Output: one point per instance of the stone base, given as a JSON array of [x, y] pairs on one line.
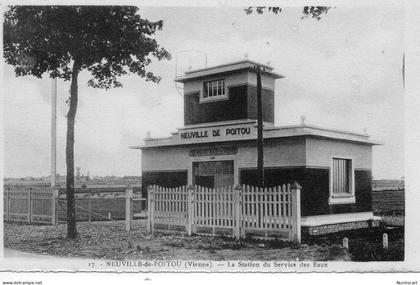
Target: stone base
[[338, 227]]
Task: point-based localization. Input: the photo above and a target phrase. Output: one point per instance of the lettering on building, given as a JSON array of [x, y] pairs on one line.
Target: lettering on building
[[227, 150], [228, 132]]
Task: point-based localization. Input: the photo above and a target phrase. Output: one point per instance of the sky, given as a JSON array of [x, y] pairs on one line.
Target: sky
[[343, 72]]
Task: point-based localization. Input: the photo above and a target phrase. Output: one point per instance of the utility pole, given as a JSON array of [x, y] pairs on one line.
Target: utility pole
[[53, 131], [260, 130]]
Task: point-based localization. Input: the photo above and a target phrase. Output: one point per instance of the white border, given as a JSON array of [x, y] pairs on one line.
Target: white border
[[412, 165]]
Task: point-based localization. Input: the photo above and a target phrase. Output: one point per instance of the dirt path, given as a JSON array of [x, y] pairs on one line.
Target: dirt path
[[109, 240], [13, 253]]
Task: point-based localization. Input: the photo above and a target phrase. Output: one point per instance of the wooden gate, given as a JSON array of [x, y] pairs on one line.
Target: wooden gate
[[268, 212], [169, 210]]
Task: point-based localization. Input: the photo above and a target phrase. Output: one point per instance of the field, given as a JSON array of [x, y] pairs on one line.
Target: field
[[388, 202], [380, 185]]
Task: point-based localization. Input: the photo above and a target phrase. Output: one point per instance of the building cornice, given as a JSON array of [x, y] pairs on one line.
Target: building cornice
[[227, 68], [204, 134]]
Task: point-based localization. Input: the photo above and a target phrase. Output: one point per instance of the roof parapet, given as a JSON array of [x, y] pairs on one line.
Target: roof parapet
[[227, 68]]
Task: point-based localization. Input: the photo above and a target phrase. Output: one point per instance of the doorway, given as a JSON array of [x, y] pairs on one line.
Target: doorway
[[213, 174]]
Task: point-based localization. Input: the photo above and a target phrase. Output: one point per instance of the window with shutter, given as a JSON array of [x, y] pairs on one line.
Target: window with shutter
[[341, 181], [341, 175]]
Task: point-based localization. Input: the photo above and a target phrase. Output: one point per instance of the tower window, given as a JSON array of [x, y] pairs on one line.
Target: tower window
[[214, 90]]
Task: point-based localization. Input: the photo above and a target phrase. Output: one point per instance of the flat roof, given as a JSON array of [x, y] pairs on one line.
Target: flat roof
[[270, 132], [227, 68]]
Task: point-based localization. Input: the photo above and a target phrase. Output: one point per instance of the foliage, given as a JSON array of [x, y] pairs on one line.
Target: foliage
[[108, 41], [308, 11]]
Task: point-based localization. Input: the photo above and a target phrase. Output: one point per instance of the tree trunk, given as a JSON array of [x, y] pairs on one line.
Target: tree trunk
[[71, 205]]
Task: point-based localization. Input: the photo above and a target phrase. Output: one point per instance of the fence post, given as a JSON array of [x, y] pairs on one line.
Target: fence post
[[150, 209], [54, 205], [90, 207], [128, 207], [6, 204], [140, 198], [346, 243], [238, 211], [29, 205], [385, 241], [190, 209], [296, 230]]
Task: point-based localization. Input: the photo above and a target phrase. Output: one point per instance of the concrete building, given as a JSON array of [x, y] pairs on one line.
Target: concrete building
[[218, 146]]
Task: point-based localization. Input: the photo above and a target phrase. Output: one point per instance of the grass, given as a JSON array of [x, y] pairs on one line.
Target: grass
[[366, 244], [362, 250], [393, 220]]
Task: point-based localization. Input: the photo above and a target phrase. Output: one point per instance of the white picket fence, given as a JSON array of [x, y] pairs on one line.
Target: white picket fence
[[237, 211]]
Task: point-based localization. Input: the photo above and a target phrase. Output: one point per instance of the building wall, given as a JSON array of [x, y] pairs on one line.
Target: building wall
[[267, 103], [239, 78], [277, 152], [315, 188], [233, 108], [267, 82], [164, 179], [305, 160], [165, 167], [320, 152], [308, 161], [315, 193], [164, 158], [241, 102]]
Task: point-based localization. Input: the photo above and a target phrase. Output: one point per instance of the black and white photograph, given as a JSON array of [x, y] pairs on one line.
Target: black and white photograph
[[218, 138]]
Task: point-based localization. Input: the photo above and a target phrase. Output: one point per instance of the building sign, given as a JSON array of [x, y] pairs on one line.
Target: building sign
[[219, 133], [236, 131], [226, 150], [213, 167]]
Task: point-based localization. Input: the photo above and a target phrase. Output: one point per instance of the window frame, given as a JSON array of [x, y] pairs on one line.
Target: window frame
[[213, 98], [342, 198]]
